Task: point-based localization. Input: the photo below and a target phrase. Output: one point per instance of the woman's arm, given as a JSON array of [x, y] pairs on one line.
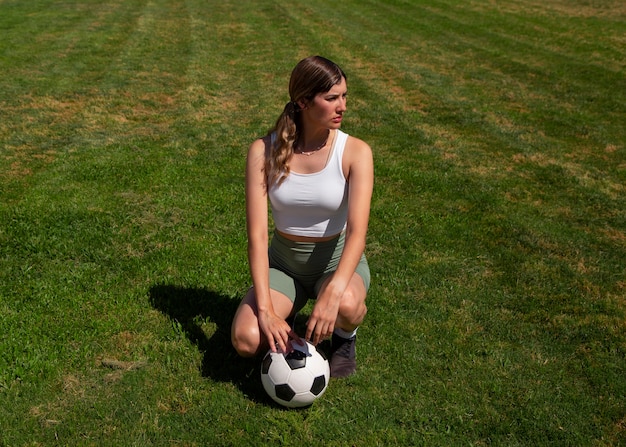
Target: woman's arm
[[257, 224], [359, 169], [273, 327]]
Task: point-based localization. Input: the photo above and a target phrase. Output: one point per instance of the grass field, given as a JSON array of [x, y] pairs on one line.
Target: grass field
[[497, 243]]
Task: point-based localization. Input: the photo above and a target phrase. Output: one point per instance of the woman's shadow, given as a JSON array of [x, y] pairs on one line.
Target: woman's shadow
[[188, 307]]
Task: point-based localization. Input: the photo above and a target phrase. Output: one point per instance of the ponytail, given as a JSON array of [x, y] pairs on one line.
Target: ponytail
[[284, 135]]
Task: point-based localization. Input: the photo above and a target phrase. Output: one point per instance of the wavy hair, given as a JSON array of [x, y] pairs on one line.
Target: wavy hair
[[310, 76]]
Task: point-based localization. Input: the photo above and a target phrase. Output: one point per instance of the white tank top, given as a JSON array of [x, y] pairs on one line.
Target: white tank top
[[314, 205]]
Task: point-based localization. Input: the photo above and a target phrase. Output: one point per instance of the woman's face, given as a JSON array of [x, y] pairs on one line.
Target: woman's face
[[326, 110]]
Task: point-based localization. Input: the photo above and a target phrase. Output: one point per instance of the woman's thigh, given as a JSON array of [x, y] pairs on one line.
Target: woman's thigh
[[247, 312]]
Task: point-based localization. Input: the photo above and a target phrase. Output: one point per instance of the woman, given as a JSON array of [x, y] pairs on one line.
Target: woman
[[319, 184]]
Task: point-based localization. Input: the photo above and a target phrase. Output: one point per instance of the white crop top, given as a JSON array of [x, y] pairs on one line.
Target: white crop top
[[314, 205]]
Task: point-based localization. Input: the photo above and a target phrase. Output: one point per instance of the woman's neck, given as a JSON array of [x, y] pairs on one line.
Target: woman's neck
[[313, 141]]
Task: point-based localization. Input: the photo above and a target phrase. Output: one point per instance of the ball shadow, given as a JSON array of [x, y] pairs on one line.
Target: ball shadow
[[189, 307]]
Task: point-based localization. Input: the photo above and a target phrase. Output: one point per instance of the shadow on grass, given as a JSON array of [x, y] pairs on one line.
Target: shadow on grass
[[189, 307]]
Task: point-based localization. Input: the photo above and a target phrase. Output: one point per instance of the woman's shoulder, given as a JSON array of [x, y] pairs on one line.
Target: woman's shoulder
[[261, 144], [357, 157], [357, 146]]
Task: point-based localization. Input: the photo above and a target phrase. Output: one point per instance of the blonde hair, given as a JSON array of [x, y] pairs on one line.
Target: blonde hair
[[310, 77]]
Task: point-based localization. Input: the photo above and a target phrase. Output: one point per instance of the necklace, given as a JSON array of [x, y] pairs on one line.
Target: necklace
[[311, 152]]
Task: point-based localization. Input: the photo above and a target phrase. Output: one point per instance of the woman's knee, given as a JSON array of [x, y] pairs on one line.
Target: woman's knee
[[352, 308], [244, 333], [246, 340]]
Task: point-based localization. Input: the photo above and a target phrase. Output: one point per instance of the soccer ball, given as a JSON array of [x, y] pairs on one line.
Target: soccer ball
[[296, 379]]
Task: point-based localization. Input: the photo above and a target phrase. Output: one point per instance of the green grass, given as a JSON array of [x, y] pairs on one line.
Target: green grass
[[497, 314]]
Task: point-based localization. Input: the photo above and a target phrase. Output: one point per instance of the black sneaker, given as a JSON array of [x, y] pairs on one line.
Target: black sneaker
[[343, 356]]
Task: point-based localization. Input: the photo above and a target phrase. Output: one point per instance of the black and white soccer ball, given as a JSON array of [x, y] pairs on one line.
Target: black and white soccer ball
[[296, 379]]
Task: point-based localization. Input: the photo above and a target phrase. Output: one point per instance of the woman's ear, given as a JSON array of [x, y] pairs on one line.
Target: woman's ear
[[302, 104]]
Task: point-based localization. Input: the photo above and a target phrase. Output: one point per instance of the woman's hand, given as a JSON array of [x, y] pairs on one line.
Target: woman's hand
[[277, 332], [324, 315]]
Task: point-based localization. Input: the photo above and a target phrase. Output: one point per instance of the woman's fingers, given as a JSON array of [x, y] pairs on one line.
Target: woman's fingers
[[318, 330]]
